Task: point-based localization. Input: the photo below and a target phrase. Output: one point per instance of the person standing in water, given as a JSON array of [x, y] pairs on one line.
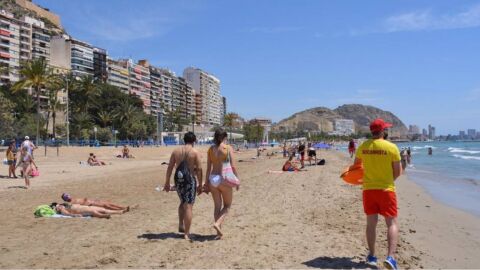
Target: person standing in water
[[351, 148], [222, 193], [381, 163], [188, 169]]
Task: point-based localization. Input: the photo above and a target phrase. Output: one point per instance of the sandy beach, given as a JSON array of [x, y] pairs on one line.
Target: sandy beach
[[287, 220]]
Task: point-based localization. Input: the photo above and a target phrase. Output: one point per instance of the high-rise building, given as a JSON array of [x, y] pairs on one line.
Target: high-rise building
[[175, 94], [431, 132], [208, 86], [81, 58], [117, 74], [10, 47], [413, 130], [21, 40], [461, 134], [472, 134], [156, 91], [100, 64], [40, 39], [224, 106], [139, 80]]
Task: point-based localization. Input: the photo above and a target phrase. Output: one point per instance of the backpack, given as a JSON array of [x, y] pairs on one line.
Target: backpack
[[44, 211], [182, 173]]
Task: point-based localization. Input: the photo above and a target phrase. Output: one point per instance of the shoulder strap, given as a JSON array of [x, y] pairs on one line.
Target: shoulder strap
[[228, 156]]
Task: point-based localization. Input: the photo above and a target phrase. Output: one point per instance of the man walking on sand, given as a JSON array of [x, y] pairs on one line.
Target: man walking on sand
[[187, 163], [381, 164]]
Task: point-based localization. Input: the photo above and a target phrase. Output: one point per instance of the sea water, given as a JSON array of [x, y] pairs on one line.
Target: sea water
[[451, 174]]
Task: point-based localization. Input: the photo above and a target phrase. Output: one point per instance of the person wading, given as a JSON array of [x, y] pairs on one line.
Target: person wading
[[381, 163], [187, 163]]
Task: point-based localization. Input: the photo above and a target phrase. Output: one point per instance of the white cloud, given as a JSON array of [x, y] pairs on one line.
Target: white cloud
[[426, 20], [128, 29]]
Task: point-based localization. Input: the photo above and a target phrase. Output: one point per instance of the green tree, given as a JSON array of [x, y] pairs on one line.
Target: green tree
[[6, 117], [35, 74], [85, 93], [105, 118], [230, 120]]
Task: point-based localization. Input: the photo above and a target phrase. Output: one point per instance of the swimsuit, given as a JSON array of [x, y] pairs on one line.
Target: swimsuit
[[215, 179], [186, 186]]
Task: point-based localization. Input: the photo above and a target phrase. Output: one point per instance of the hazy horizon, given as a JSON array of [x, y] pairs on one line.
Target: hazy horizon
[[416, 59]]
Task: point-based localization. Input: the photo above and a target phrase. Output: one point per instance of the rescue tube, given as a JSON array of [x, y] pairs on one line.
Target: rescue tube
[[353, 175]]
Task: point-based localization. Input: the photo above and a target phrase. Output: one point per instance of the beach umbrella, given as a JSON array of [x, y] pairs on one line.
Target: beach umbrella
[[321, 146]]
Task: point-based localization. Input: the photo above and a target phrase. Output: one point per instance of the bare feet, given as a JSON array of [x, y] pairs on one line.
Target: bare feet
[[187, 237], [219, 231], [181, 229], [126, 209]]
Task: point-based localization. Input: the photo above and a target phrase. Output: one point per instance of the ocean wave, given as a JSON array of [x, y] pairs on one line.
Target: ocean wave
[[423, 147], [467, 157], [462, 150]]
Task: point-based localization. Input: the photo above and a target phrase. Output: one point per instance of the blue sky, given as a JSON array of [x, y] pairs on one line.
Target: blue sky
[[418, 59]]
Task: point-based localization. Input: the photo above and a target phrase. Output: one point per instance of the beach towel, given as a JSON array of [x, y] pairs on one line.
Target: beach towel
[[64, 216], [44, 211]]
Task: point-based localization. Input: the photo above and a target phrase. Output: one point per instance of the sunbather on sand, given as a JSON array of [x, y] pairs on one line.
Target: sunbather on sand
[[93, 161], [77, 210], [89, 202], [289, 166]]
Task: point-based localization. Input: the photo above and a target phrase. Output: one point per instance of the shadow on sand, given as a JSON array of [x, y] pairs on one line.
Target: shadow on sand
[[172, 235], [337, 263], [22, 187]]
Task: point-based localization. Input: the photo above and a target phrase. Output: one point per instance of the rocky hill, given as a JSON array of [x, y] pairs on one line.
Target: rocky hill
[[322, 119]]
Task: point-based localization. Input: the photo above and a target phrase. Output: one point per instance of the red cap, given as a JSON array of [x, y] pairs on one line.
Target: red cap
[[378, 125]]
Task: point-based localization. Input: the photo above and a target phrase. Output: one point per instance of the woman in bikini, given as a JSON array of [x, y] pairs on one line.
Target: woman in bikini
[[77, 210], [221, 192], [26, 161], [89, 202]]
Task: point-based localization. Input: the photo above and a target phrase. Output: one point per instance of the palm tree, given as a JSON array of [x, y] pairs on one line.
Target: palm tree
[[34, 74], [125, 111], [229, 121], [89, 90], [105, 117]]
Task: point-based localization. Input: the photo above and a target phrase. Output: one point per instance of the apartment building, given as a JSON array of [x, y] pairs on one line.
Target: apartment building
[[171, 93], [224, 107], [40, 39], [81, 58], [139, 81], [117, 74], [208, 86], [9, 47], [156, 91], [100, 64]]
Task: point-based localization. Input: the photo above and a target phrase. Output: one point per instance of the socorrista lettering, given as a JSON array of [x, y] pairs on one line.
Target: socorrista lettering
[[374, 152]]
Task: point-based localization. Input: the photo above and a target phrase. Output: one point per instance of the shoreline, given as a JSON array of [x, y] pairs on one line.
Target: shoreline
[[288, 220]]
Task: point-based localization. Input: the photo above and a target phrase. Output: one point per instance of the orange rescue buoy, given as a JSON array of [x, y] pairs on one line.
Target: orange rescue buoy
[[353, 174]]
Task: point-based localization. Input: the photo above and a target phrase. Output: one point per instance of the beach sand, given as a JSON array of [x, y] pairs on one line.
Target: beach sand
[[288, 220]]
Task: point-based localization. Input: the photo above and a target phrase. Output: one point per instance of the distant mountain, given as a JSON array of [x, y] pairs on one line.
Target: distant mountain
[[322, 119]]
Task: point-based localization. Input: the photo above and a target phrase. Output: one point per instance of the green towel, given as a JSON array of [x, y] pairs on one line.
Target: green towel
[[44, 211]]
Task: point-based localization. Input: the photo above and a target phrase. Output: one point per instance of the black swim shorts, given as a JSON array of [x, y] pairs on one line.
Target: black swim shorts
[[186, 190]]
